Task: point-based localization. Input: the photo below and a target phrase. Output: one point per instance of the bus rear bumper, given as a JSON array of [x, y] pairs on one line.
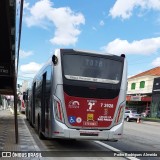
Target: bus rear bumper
[[114, 133]]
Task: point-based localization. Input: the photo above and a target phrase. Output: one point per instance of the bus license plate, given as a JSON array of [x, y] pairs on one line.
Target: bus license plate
[[90, 123]]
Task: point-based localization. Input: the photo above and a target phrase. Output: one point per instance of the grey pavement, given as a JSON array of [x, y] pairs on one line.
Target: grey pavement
[[7, 135], [151, 123]]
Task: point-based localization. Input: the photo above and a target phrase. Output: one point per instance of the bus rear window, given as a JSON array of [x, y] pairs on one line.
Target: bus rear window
[[92, 68]]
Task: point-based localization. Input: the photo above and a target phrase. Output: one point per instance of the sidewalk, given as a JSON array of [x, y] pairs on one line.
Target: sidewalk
[[150, 123], [7, 135]]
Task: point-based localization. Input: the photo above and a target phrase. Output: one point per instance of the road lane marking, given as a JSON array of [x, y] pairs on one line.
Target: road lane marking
[[114, 149]]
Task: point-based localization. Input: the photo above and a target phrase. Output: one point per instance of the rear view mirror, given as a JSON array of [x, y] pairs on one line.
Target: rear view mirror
[[54, 59]]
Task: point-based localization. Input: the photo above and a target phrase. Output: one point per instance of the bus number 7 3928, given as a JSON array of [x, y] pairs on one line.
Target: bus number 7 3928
[[79, 95]]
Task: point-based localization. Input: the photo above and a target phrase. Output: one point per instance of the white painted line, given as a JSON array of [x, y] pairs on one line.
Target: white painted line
[[114, 149]]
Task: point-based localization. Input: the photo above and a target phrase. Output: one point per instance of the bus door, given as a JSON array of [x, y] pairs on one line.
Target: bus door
[[47, 96], [43, 103], [33, 105]]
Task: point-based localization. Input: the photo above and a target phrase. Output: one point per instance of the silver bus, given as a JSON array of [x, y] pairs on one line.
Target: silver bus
[[79, 95]]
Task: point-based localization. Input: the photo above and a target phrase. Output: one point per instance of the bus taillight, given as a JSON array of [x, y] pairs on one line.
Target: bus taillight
[[119, 114], [59, 112]]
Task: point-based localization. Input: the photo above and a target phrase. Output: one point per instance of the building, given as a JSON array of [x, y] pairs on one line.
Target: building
[[24, 86], [155, 105], [140, 87]]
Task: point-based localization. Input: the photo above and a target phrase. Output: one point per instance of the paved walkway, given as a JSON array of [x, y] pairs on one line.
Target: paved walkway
[[7, 135]]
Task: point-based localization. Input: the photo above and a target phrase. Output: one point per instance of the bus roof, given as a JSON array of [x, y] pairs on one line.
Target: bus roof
[[87, 51]]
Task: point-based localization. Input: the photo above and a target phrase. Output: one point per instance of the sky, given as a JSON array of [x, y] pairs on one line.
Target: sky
[[130, 27]]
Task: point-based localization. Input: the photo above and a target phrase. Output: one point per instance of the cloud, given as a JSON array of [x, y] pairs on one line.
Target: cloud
[[30, 68], [124, 9], [156, 62], [101, 23], [144, 47], [38, 14], [24, 54], [25, 5], [65, 20], [94, 28]]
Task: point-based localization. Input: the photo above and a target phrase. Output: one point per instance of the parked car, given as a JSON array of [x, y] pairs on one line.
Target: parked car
[[131, 115]]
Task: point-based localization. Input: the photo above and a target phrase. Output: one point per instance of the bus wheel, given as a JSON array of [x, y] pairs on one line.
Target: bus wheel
[[127, 119]]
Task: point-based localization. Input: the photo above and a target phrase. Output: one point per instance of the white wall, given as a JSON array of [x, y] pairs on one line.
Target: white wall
[[24, 86], [148, 85]]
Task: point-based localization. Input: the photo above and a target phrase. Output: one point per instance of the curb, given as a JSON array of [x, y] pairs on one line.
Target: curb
[[148, 120]]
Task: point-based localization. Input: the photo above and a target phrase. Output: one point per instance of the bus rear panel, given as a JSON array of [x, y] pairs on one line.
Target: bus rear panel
[[89, 92]]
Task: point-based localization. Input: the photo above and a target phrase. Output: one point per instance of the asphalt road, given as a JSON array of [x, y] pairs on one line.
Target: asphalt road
[[137, 137], [144, 136]]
